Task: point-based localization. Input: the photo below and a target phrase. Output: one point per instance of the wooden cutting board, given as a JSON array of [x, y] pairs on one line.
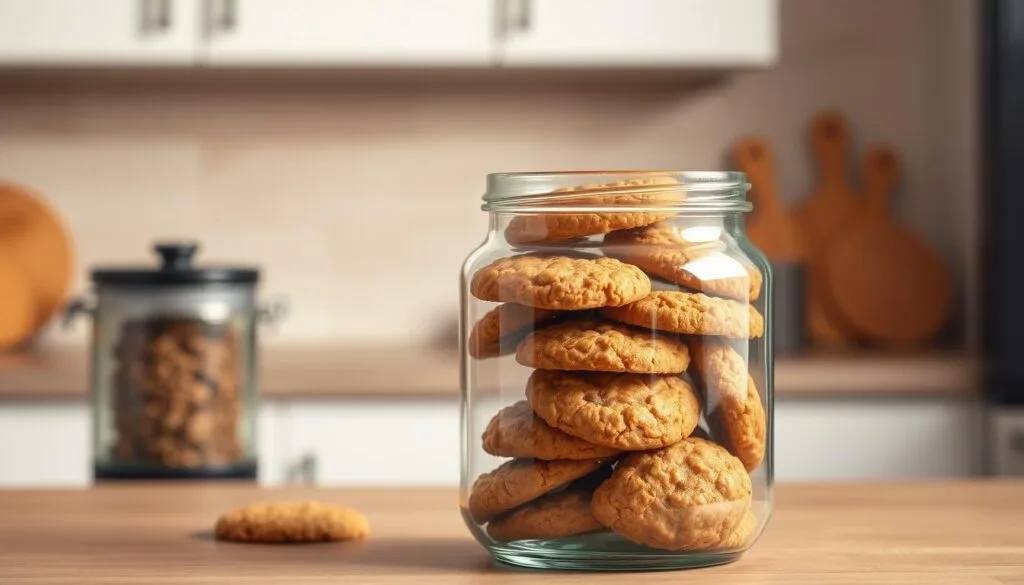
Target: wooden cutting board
[[885, 281], [17, 304], [33, 236], [825, 214], [769, 225]]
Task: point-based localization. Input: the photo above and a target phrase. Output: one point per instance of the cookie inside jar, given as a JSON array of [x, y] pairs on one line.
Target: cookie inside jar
[[620, 417]]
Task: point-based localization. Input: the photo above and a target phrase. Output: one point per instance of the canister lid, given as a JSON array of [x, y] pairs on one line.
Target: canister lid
[[176, 268]]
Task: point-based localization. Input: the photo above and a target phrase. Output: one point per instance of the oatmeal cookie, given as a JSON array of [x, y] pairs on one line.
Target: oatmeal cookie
[[661, 251], [741, 536], [566, 513], [517, 432], [500, 330], [597, 346], [519, 481], [623, 411], [292, 522], [691, 314], [689, 496], [560, 282], [551, 227], [734, 407]]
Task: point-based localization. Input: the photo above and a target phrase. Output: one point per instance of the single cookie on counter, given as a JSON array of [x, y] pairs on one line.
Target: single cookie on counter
[[517, 432], [500, 330], [559, 515], [597, 346], [691, 314], [733, 405], [661, 251], [292, 522], [519, 481], [560, 282], [692, 495], [623, 411], [552, 227]]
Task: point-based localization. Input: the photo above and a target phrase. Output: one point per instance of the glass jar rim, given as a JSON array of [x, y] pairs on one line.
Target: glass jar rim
[[549, 191]]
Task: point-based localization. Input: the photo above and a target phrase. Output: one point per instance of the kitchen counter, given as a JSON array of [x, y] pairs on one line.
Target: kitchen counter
[[934, 533], [326, 371]]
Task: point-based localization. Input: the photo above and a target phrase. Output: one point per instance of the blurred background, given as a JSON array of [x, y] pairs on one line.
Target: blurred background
[[340, 146]]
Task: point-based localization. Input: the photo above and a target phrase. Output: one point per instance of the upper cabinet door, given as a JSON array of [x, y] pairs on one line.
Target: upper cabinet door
[[104, 32], [349, 32], [637, 33]]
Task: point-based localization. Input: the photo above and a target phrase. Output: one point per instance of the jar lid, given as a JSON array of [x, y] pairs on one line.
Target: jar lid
[[176, 268]]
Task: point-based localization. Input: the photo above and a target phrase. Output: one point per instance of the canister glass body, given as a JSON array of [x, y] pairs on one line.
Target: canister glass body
[[174, 379], [616, 372]]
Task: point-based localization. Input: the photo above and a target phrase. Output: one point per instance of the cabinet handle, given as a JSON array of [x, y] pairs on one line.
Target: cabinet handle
[[221, 16], [303, 471], [525, 9], [155, 16]]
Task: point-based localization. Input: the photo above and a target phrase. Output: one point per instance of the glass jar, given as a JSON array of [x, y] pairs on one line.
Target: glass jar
[[173, 369], [616, 372]]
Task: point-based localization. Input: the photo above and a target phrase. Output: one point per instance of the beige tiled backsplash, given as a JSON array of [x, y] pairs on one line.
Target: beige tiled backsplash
[[360, 200]]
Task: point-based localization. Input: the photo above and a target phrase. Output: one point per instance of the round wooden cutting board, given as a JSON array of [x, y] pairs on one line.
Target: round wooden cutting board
[[17, 304], [33, 236], [887, 284]]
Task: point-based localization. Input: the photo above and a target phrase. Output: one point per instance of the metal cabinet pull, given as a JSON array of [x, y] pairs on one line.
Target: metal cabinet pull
[[221, 16], [155, 16]]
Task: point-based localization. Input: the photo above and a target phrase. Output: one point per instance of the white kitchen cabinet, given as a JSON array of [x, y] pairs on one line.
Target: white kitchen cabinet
[[45, 444], [656, 33], [107, 32], [350, 32], [369, 442]]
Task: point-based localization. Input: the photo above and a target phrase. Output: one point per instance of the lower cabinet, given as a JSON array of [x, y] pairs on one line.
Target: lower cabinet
[[353, 442]]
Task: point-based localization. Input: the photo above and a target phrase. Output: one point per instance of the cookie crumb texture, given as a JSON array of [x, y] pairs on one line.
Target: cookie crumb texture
[[519, 481], [622, 411], [690, 496], [560, 515], [292, 522], [499, 331], [660, 250], [587, 345], [517, 432], [552, 227], [560, 282], [691, 314]]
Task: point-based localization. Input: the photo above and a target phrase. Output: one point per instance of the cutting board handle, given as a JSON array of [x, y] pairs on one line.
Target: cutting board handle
[[754, 157], [830, 141], [881, 173]]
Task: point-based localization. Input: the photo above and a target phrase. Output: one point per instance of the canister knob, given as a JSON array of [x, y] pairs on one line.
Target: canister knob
[[176, 255]]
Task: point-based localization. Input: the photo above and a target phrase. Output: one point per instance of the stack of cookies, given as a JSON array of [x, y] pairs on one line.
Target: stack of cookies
[[607, 435]]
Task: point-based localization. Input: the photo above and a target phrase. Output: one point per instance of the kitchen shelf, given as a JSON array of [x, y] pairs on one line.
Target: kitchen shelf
[[327, 371]]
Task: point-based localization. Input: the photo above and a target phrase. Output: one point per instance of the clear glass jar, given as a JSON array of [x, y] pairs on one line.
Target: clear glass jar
[[616, 372], [173, 369]]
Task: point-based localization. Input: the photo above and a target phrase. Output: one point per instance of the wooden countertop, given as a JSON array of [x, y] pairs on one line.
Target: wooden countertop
[[326, 371], [926, 533]]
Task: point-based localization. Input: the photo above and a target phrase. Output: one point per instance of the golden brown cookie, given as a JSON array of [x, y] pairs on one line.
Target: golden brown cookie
[[599, 346], [560, 282], [517, 432], [661, 251], [566, 513], [519, 481], [741, 536], [551, 227], [691, 314], [691, 495], [292, 522], [734, 407], [622, 411], [500, 330]]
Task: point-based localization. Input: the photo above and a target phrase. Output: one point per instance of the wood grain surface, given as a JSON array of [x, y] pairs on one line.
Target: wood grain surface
[[927, 533]]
